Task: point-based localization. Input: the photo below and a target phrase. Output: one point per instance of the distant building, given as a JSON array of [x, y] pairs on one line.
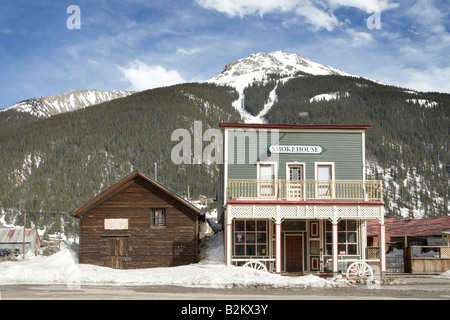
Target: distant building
[[414, 245], [12, 239], [138, 223], [424, 232]]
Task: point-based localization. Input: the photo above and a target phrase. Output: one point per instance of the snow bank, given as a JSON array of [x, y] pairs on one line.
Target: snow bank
[[445, 274], [63, 268]]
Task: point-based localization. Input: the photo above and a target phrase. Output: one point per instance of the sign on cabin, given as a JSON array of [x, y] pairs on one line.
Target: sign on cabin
[[116, 224]]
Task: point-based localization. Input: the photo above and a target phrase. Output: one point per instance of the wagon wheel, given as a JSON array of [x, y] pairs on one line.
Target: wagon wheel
[[255, 265], [359, 270]]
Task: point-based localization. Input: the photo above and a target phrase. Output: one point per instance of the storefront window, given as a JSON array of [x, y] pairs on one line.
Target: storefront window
[[347, 238], [250, 238]]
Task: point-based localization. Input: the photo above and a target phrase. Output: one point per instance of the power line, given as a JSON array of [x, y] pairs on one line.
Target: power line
[[34, 211]]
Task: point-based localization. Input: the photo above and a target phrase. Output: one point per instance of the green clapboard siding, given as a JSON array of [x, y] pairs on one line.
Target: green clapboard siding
[[247, 147]]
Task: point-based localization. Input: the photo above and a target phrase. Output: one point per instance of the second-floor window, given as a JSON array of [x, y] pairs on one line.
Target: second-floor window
[[324, 175], [266, 177]]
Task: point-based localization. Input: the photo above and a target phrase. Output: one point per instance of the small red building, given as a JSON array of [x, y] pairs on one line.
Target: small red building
[[414, 245], [416, 231], [138, 223]]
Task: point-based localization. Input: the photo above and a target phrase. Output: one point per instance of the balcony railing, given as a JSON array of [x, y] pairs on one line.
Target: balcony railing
[[304, 190]]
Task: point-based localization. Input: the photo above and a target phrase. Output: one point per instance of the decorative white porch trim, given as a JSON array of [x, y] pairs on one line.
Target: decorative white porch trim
[[280, 212]]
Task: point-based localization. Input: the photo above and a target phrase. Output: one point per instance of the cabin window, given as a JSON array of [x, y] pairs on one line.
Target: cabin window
[[158, 217], [250, 238]]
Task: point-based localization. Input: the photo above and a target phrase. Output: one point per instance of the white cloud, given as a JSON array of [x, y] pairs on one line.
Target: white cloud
[[143, 77], [428, 17], [364, 5], [184, 52], [430, 79], [317, 13], [93, 64], [317, 17], [359, 38], [245, 7]]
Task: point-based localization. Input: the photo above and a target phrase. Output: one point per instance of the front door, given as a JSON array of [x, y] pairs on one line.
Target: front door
[[296, 181], [116, 252], [294, 253]]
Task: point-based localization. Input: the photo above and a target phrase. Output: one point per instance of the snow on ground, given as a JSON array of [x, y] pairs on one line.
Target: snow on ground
[[210, 272], [423, 103], [329, 96], [445, 274]]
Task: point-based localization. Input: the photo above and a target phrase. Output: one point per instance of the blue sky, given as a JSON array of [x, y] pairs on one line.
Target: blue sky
[[141, 44]]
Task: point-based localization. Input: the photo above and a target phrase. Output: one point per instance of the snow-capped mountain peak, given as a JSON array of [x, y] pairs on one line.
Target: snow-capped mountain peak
[[45, 107], [258, 67]]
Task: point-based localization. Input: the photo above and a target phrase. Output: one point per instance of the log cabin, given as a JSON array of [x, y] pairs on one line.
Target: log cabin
[[138, 223]]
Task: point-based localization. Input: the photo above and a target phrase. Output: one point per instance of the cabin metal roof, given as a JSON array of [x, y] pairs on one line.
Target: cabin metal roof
[[8, 235]]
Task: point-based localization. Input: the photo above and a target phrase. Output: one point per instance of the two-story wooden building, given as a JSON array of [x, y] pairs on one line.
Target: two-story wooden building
[[296, 198]]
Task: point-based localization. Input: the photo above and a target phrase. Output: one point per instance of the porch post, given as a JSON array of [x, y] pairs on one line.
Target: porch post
[[278, 247], [382, 245], [278, 241], [228, 237], [228, 246], [334, 229]]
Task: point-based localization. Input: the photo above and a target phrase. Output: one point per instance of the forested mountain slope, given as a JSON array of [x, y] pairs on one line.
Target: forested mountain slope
[[53, 165]]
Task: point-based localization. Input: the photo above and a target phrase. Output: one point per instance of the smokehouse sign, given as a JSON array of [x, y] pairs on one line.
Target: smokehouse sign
[[296, 149]]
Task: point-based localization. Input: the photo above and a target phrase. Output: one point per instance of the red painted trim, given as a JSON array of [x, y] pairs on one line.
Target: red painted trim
[[287, 126], [304, 203]]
